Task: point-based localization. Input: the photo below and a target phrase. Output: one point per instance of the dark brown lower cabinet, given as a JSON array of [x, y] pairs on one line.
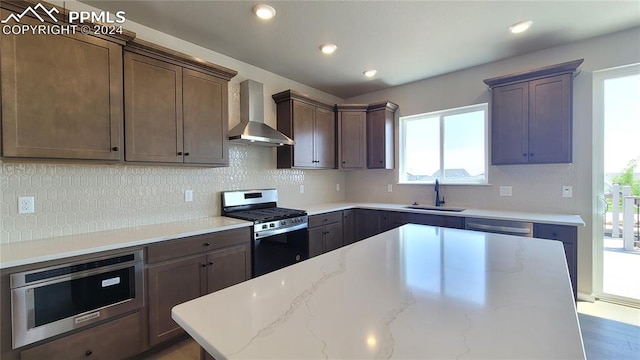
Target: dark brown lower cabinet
[[170, 284], [117, 339], [176, 274], [455, 222], [325, 233], [348, 226], [369, 222], [372, 222], [569, 237]]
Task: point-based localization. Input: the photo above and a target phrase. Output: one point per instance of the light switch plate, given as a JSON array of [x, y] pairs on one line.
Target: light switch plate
[[505, 191], [188, 195], [301, 189], [389, 187], [567, 191]]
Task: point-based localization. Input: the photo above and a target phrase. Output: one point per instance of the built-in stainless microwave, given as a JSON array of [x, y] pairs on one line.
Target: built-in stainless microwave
[[53, 300]]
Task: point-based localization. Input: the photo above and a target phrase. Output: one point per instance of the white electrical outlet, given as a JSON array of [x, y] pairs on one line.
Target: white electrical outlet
[[26, 205], [505, 191], [337, 187], [301, 189], [567, 191], [389, 188], [188, 195]]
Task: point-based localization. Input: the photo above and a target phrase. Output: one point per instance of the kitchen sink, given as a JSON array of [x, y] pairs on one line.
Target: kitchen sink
[[435, 208]]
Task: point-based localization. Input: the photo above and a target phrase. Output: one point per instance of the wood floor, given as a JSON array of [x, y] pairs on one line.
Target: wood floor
[[609, 332], [184, 350], [606, 339]]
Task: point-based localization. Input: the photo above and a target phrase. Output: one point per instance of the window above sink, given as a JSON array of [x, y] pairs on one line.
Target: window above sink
[[449, 145]]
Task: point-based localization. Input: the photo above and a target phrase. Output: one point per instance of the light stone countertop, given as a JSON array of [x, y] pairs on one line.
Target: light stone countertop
[[54, 248], [34, 251], [557, 219], [415, 292]]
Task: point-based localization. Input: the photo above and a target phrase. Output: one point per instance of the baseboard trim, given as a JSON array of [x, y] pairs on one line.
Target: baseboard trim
[[589, 297]]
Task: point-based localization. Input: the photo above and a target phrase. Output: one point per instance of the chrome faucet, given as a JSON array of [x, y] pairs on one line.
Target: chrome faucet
[[437, 188]]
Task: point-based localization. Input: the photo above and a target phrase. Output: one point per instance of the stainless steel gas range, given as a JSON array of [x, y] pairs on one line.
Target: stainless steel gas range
[[280, 235]]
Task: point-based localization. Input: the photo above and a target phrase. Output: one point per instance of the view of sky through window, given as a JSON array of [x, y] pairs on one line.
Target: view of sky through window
[[452, 140]]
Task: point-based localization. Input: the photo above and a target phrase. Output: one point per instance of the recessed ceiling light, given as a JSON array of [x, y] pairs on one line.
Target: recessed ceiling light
[[521, 26], [264, 11], [370, 73], [328, 48]]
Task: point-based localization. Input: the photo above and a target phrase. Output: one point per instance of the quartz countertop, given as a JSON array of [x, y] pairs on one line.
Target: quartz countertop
[[415, 292], [556, 219], [34, 251]]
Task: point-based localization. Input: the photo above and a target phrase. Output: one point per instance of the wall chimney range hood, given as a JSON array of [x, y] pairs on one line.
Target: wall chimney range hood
[[252, 129]]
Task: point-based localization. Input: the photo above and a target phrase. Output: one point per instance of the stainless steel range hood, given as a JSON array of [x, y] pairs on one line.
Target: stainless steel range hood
[[252, 129]]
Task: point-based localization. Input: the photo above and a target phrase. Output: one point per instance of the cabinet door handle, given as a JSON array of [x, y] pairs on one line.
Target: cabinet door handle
[[88, 353], [203, 265], [344, 162], [554, 234], [186, 154], [206, 244], [210, 262], [115, 148], [531, 154], [179, 152], [525, 154]]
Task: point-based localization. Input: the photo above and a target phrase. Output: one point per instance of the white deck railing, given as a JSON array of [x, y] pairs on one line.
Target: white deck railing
[[629, 204]]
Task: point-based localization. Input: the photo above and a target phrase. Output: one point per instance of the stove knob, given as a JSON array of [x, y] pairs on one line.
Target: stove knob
[[272, 225], [283, 223], [264, 226]]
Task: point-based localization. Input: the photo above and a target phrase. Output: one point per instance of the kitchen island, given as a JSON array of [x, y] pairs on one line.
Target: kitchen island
[[413, 292]]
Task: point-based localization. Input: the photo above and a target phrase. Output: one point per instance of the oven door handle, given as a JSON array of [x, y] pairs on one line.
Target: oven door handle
[[266, 233]]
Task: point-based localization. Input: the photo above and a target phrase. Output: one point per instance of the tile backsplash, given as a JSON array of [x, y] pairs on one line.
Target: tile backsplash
[[73, 199]]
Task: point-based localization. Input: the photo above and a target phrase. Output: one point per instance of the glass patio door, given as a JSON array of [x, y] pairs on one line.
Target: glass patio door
[[616, 166]]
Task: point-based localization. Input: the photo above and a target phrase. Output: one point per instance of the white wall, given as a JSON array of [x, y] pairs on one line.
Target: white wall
[[73, 199], [536, 188]]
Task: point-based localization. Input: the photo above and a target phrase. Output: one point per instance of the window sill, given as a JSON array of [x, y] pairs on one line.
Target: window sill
[[443, 183]]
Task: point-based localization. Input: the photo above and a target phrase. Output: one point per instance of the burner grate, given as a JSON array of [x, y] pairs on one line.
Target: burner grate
[[266, 214]]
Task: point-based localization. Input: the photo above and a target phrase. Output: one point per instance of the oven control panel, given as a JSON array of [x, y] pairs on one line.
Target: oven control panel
[[280, 226]]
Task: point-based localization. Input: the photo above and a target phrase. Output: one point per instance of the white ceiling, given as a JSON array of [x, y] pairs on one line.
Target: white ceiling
[[404, 40]]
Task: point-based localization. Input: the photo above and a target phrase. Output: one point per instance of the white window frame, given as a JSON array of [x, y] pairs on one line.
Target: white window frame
[[441, 114]]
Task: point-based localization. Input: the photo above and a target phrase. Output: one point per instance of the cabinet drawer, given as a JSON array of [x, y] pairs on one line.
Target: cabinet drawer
[[118, 339], [555, 232], [324, 219], [197, 244]]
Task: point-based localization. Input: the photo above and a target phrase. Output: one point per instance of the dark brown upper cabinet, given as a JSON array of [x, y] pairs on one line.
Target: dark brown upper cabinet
[[61, 94], [380, 135], [312, 125], [531, 115], [176, 107], [352, 129]]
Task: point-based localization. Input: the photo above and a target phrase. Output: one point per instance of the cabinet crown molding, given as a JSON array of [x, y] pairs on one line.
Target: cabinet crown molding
[[352, 107], [165, 54], [569, 67], [295, 95], [383, 105]]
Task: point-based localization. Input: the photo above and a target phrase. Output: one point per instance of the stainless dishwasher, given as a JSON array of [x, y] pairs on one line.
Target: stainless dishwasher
[[507, 227]]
